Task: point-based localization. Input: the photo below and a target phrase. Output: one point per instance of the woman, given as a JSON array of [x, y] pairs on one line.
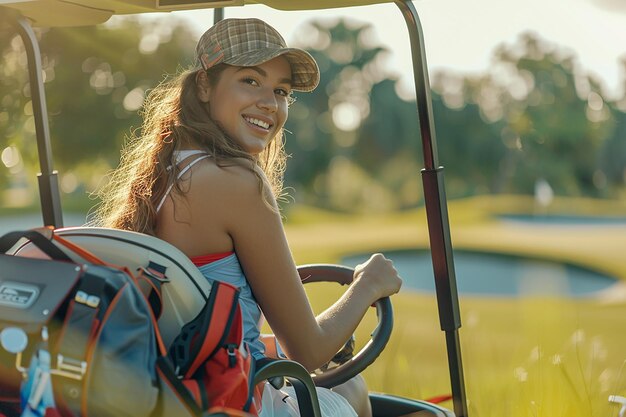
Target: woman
[[205, 175]]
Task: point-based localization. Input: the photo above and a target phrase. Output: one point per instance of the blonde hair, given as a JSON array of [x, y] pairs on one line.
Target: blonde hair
[[173, 119]]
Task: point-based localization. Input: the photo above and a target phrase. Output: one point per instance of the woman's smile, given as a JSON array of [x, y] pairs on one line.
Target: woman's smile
[[250, 103], [258, 123]]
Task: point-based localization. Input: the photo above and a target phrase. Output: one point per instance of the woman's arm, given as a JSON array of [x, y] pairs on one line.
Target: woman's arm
[[258, 238]]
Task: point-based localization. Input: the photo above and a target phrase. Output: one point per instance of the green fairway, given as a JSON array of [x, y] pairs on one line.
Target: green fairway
[[522, 356], [539, 357]]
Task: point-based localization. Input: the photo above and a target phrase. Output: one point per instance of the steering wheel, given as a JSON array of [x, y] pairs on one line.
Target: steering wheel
[[380, 336]]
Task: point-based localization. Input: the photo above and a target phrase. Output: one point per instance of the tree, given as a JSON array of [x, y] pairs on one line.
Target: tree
[[543, 119], [535, 116], [469, 142], [95, 82], [325, 122]]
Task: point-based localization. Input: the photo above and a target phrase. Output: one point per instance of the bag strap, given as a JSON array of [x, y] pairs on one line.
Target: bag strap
[[150, 280], [80, 251], [38, 238], [208, 331], [77, 336]]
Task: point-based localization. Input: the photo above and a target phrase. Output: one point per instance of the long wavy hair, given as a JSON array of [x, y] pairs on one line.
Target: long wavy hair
[[173, 119]]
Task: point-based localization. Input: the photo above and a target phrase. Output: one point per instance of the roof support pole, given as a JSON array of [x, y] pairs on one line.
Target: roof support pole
[[218, 14], [436, 212], [48, 180]]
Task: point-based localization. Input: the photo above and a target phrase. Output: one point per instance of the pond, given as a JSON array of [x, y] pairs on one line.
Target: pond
[[30, 220], [477, 273], [491, 274], [564, 219]]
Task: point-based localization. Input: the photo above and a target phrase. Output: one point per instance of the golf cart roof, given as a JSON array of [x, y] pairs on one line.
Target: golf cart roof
[[49, 13]]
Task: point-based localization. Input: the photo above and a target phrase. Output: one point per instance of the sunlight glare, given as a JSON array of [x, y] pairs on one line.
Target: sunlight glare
[[346, 116], [149, 43], [69, 182], [11, 156], [133, 100]]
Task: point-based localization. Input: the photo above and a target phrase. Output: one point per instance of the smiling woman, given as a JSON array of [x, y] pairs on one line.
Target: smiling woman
[[252, 102], [204, 176]]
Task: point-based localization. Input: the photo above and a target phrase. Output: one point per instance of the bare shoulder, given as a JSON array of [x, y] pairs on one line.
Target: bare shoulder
[[239, 173], [236, 185]]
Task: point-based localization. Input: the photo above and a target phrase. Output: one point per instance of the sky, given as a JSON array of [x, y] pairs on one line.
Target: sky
[[460, 35]]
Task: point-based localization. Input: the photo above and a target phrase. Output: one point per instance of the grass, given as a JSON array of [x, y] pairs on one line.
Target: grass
[[535, 357], [539, 357]]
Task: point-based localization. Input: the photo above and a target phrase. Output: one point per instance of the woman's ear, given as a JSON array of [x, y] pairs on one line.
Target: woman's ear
[[203, 86]]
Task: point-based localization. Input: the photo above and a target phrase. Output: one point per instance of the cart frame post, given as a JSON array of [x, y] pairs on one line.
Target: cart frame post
[[48, 178], [218, 14], [436, 212]]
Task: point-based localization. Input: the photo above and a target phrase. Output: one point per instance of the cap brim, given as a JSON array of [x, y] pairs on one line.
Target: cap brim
[[305, 74]]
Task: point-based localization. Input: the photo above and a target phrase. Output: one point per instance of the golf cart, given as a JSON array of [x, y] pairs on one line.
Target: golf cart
[[25, 14]]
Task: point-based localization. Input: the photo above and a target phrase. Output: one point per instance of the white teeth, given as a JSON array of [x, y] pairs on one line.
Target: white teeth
[[258, 122]]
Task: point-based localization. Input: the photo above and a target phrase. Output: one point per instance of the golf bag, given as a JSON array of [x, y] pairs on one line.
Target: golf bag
[[85, 337]]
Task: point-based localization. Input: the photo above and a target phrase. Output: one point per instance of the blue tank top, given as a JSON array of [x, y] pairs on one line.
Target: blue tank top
[[229, 270]]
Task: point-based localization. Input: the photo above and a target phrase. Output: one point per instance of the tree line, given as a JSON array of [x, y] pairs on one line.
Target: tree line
[[535, 118]]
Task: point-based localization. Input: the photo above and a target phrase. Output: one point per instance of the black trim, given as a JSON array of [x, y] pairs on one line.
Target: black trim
[[386, 405], [204, 398], [251, 385]]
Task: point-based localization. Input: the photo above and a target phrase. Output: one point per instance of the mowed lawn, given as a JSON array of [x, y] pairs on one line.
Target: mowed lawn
[[522, 356]]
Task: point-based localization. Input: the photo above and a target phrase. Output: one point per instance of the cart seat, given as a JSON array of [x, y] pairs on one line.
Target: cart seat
[[183, 295]]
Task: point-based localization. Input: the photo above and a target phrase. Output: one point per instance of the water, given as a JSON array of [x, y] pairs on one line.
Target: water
[[564, 219], [477, 273], [30, 220], [489, 274]]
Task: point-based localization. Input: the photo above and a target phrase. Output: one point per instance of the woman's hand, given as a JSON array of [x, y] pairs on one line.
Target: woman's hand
[[378, 277]]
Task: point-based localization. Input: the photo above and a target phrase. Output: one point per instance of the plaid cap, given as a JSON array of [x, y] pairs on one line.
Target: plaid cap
[[250, 42]]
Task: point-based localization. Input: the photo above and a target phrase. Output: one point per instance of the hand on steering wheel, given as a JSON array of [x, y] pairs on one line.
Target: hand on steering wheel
[[380, 336]]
